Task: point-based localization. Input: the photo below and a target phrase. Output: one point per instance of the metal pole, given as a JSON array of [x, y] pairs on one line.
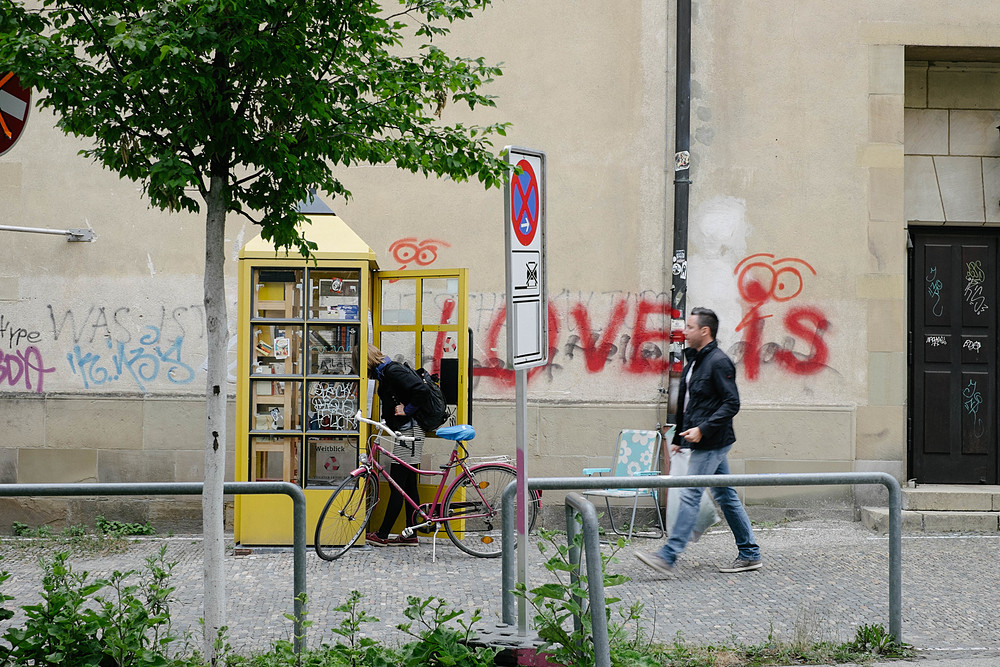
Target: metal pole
[[70, 234], [794, 479], [194, 489], [895, 559], [521, 425], [573, 555], [682, 196], [507, 565], [595, 575]]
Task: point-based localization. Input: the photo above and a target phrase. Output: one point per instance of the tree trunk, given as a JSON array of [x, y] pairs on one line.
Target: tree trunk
[[215, 432]]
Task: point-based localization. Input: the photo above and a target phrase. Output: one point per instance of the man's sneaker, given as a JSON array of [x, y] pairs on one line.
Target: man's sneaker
[[655, 561], [375, 540], [400, 541], [741, 565]]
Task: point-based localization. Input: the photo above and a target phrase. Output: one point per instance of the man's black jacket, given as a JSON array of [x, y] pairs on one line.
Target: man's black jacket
[[714, 398]]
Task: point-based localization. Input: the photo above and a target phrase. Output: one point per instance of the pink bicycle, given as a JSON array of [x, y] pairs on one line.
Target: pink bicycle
[[469, 508]]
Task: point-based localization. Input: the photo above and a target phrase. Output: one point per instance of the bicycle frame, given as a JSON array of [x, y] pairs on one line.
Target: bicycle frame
[[375, 449]]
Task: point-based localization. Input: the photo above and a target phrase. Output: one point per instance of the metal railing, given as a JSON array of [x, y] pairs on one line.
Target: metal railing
[[577, 504], [796, 479], [194, 489]]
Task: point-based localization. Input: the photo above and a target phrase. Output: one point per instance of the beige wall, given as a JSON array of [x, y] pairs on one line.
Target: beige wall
[[799, 174]]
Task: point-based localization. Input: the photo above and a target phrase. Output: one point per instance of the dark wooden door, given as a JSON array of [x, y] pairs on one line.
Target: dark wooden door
[[954, 313]]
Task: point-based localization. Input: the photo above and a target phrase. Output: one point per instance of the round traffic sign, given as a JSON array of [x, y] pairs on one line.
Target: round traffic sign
[[524, 203], [15, 101]]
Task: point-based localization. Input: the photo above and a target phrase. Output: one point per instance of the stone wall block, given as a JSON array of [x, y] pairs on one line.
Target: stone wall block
[[885, 69], [963, 87], [22, 423], [92, 424], [926, 131], [135, 466], [885, 194], [880, 432], [886, 325], [921, 194], [885, 119], [991, 183], [56, 466], [798, 496], [974, 132], [886, 378], [175, 424], [916, 86], [961, 183]]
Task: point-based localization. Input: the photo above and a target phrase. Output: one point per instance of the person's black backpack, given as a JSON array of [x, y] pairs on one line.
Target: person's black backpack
[[436, 412]]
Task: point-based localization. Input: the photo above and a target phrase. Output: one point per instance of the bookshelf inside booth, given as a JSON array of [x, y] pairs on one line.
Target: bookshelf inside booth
[[305, 329], [333, 374]]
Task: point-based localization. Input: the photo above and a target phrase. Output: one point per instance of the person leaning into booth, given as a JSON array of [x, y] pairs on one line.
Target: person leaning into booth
[[401, 394]]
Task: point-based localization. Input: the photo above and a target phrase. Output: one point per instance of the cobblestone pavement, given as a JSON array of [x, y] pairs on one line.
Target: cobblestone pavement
[[821, 579]]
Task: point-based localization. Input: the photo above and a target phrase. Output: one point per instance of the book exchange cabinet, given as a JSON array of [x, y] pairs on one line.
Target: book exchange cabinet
[[303, 330]]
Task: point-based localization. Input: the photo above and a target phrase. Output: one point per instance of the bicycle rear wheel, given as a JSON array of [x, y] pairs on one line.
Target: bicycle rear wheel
[[345, 516], [479, 496]]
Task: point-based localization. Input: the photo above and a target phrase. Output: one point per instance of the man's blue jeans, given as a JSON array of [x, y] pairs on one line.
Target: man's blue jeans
[[710, 462]]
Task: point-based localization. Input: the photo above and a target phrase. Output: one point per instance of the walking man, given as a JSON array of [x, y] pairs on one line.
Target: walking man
[[706, 406]]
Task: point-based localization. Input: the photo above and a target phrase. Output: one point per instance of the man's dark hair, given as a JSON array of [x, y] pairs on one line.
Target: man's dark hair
[[707, 318]]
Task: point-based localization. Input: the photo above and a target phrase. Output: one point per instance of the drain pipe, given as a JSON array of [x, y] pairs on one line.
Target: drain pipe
[[682, 188]]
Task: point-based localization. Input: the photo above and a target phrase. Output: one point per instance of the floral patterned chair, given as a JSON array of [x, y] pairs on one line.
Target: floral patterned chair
[[636, 454]]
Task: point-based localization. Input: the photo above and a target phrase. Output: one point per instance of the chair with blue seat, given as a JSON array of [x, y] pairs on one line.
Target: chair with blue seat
[[636, 454]]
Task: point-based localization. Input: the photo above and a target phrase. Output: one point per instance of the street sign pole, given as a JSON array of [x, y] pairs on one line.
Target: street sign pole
[[527, 318]]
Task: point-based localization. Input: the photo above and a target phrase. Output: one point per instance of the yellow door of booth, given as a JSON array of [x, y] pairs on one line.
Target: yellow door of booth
[[303, 328]]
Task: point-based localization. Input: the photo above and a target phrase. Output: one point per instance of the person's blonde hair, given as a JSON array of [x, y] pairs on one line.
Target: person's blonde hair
[[375, 356]]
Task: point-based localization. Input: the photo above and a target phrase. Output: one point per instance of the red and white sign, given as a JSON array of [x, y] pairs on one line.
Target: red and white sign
[[15, 102], [527, 323]]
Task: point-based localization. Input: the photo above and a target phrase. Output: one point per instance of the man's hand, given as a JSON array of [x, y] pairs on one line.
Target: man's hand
[[675, 449], [400, 411], [692, 434]]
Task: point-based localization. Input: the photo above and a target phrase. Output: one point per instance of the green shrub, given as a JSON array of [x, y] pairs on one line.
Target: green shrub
[[128, 626], [557, 604], [122, 528]]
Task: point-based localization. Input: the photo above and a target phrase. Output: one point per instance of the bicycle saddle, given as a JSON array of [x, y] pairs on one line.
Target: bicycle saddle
[[461, 432]]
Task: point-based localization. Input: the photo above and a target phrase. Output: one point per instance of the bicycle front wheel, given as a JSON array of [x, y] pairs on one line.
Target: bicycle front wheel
[[477, 497], [345, 516]]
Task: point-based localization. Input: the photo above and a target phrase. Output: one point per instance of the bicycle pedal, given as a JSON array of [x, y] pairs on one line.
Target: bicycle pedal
[[410, 531]]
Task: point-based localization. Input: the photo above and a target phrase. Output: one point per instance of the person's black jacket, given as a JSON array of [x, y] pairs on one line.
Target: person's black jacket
[[400, 385], [714, 398]]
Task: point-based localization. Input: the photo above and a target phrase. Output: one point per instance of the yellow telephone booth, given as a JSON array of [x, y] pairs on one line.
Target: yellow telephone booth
[[299, 385]]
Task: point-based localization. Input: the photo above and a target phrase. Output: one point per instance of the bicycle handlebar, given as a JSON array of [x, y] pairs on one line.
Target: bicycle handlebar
[[381, 426]]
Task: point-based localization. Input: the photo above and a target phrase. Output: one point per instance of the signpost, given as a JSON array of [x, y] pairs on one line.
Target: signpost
[[15, 101], [527, 315]]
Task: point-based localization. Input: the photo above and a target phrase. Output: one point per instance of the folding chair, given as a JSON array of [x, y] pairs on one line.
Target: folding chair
[[636, 454]]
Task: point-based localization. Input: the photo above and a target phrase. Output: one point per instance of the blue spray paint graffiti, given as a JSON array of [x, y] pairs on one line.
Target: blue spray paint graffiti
[[142, 364]]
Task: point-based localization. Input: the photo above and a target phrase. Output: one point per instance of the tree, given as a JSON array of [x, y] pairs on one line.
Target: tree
[[244, 106]]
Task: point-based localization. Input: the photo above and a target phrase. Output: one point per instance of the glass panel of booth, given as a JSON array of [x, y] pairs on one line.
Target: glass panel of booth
[[438, 300], [331, 349], [277, 293], [334, 295], [332, 404], [276, 349], [330, 459], [398, 302]]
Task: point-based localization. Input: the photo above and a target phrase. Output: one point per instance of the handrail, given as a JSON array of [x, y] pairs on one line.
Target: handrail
[[661, 481], [577, 504], [193, 489]]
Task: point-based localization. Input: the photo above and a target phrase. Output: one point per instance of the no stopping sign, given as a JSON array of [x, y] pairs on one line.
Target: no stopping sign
[[15, 101]]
